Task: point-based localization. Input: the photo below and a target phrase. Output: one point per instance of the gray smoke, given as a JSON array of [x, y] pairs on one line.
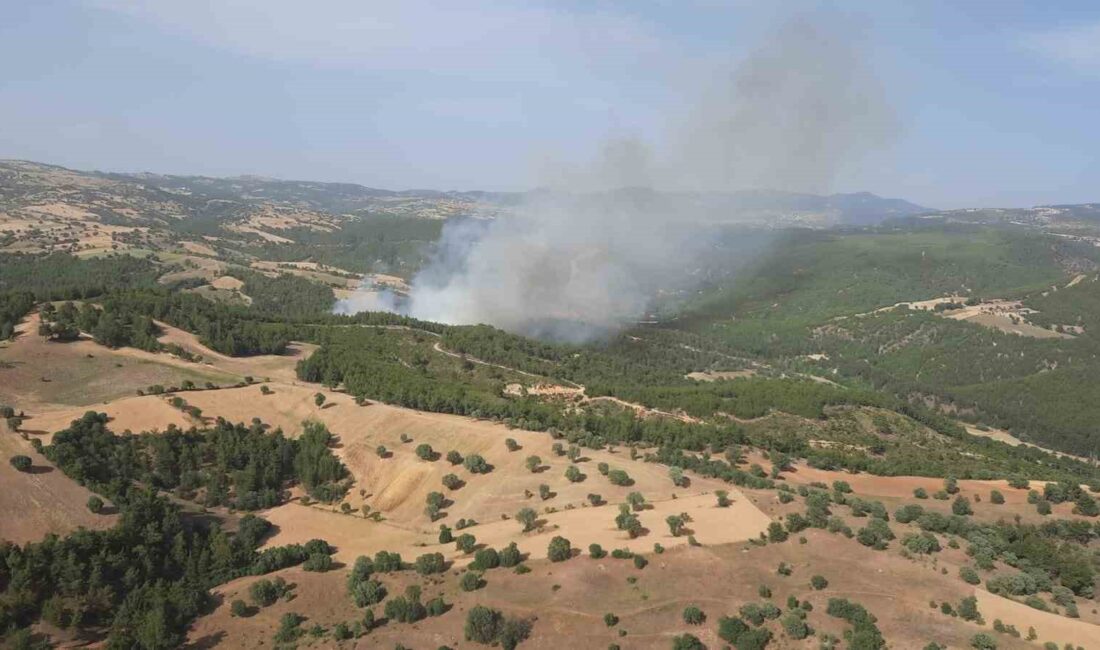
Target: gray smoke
[[576, 262]]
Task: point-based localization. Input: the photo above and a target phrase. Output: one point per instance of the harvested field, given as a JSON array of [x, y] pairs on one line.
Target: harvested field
[[567, 600], [37, 375], [42, 500]]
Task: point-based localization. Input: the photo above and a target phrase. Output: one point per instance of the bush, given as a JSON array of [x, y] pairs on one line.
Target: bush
[[454, 458], [528, 517], [640, 562], [430, 563], [465, 542], [687, 642], [559, 549], [982, 641], [510, 556], [923, 543], [470, 581], [265, 592], [20, 462], [511, 444], [619, 477], [317, 562], [692, 615], [969, 575], [483, 624], [475, 464], [596, 552], [424, 451], [451, 481], [95, 504], [485, 559], [996, 498], [240, 609], [961, 506], [367, 592], [819, 582]]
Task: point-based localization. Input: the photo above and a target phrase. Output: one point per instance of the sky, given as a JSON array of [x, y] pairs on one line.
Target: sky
[[994, 103]]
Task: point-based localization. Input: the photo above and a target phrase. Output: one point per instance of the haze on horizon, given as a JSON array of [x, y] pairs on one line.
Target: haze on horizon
[[992, 104]]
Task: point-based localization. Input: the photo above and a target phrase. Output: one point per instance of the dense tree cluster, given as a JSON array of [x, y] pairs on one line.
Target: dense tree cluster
[[60, 276], [227, 464], [141, 581]]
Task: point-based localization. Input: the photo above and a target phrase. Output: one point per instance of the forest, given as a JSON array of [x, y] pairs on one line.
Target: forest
[[138, 584], [247, 468]]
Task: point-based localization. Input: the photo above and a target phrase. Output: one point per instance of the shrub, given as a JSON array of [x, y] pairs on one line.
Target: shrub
[[533, 463], [511, 444], [996, 498], [317, 562], [95, 504], [924, 543], [367, 592], [239, 609], [920, 493], [21, 463], [436, 606], [640, 562], [483, 624], [430, 563], [528, 517], [969, 575], [265, 592], [610, 620], [723, 498], [692, 615], [794, 624], [982, 641], [619, 477], [465, 542], [424, 451], [559, 549], [451, 481], [596, 552], [573, 475], [961, 506], [470, 581], [486, 558], [454, 458], [510, 556], [475, 464], [687, 642], [819, 582], [968, 609]]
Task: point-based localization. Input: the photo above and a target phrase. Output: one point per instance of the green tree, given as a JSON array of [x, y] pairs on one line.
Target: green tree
[[527, 517], [559, 549]]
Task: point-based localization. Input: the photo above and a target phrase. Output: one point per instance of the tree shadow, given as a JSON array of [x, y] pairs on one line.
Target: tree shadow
[[207, 642], [38, 469]]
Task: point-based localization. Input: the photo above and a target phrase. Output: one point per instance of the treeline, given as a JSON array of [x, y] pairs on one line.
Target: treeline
[[247, 468], [14, 305], [142, 582], [368, 244], [285, 295], [60, 276], [110, 327], [226, 329]]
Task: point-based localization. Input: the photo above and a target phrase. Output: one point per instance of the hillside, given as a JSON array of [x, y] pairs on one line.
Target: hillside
[[862, 436]]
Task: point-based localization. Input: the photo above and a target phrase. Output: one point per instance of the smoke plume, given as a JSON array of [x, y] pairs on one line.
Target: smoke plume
[[574, 262]]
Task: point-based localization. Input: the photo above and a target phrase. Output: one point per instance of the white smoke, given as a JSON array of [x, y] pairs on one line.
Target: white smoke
[[570, 265]]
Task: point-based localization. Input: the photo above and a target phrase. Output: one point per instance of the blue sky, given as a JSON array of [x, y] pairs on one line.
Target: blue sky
[[995, 103]]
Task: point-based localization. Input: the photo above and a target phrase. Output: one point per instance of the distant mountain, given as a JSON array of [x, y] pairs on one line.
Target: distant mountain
[[142, 196]]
